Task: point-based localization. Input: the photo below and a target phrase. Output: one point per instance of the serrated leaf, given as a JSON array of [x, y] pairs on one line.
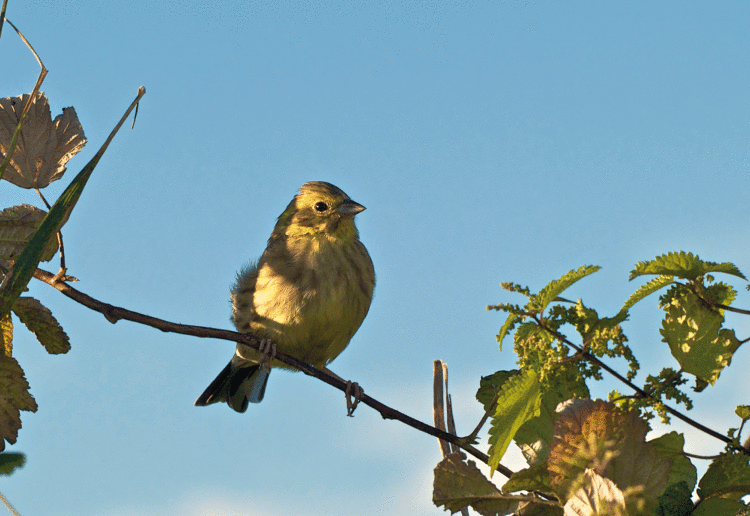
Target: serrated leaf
[[40, 321], [14, 397], [17, 226], [597, 496], [728, 476], [6, 335], [45, 145], [518, 402], [10, 461], [649, 288], [693, 332], [554, 288], [535, 435], [490, 385], [459, 483], [534, 478], [683, 265], [671, 446], [596, 435], [507, 326]]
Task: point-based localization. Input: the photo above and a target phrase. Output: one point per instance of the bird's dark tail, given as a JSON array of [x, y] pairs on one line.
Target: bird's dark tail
[[237, 385]]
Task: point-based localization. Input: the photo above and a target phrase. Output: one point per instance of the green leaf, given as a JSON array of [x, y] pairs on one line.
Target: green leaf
[[535, 435], [40, 321], [683, 265], [534, 478], [518, 402], [459, 483], [693, 332], [649, 288], [720, 507], [510, 322], [553, 289], [671, 446], [10, 461], [490, 385], [676, 500], [728, 476], [743, 411], [14, 393]]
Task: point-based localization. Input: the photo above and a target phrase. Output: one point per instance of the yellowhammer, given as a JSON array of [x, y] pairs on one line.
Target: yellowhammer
[[308, 294]]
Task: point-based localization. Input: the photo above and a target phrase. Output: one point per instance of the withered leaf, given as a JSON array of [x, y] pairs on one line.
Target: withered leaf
[[40, 321], [14, 397], [44, 145], [17, 225]]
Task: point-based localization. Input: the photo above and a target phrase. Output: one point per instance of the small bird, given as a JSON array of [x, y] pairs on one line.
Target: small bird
[[307, 294]]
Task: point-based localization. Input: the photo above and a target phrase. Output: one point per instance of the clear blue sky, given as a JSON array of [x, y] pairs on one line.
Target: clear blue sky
[[501, 141]]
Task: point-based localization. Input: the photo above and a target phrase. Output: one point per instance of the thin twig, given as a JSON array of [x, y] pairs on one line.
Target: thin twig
[[115, 313]]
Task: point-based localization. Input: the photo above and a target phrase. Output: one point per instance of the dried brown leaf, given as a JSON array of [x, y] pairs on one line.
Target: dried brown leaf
[[14, 397], [44, 145], [17, 225], [6, 335]]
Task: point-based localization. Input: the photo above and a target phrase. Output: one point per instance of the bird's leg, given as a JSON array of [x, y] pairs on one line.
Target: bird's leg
[[353, 393], [267, 347]]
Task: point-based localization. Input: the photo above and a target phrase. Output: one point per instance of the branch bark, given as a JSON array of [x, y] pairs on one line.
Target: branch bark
[[115, 313]]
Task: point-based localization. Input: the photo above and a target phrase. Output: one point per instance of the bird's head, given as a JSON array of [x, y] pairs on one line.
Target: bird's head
[[319, 209]]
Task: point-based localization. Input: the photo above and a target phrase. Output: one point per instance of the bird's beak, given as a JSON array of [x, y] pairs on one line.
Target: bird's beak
[[350, 207]]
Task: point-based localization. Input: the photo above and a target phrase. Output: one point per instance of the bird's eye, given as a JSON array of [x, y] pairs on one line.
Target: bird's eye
[[321, 206]]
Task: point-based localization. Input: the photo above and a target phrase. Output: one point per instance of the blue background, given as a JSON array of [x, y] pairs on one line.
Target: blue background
[[499, 141]]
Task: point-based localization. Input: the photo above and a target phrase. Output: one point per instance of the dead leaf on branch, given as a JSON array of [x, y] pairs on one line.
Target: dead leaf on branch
[[17, 226], [14, 397], [40, 321], [44, 145]]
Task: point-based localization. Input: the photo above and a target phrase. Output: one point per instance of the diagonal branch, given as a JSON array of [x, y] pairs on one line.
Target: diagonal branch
[[115, 313]]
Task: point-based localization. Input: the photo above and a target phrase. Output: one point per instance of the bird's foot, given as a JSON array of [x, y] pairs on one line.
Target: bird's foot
[[354, 395], [267, 347]]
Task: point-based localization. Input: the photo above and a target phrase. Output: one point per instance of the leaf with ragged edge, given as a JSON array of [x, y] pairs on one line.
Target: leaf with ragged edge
[[554, 288], [728, 476], [518, 402], [40, 321], [596, 496], [696, 340], [459, 483], [17, 226], [534, 478], [649, 288], [6, 335], [14, 397], [535, 435], [45, 145], [671, 446], [683, 265], [508, 325], [596, 435], [490, 385], [28, 260], [10, 461]]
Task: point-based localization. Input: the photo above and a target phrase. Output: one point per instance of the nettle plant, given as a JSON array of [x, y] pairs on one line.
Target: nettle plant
[[589, 456]]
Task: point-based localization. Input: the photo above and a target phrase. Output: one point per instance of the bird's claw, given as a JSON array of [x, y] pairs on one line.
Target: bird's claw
[[354, 395], [267, 347]]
